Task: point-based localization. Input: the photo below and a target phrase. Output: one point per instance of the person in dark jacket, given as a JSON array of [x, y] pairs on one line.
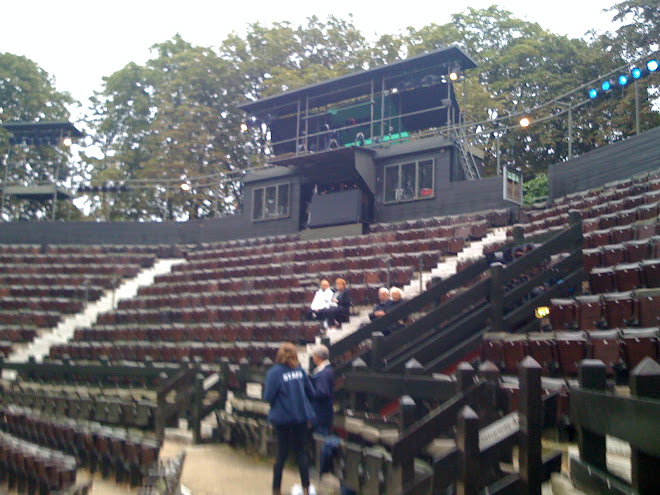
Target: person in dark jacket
[[323, 381], [289, 391], [384, 303], [341, 305]]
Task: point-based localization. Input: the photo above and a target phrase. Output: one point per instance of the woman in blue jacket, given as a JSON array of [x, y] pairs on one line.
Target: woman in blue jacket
[[289, 391]]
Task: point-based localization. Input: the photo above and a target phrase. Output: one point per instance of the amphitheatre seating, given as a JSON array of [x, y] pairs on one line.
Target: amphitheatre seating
[[39, 285], [119, 407], [128, 454], [617, 320], [27, 467], [238, 299]]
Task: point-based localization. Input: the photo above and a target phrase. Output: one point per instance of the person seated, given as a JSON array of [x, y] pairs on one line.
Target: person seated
[[384, 303], [340, 306], [322, 300], [396, 296]]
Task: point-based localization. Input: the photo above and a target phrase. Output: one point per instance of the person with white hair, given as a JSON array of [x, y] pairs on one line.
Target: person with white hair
[[322, 300], [384, 303], [323, 382]]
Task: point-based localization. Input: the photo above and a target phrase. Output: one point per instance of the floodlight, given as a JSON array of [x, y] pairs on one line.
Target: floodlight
[[524, 122], [453, 76], [652, 65], [244, 127], [606, 85], [67, 141], [623, 80], [185, 186], [593, 93], [636, 73]]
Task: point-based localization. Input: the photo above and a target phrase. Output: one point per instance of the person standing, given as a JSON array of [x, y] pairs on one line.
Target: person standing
[[289, 391], [323, 381]]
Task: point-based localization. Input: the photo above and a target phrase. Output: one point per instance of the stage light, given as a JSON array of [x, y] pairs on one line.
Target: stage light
[[593, 93], [524, 122], [185, 187], [652, 65], [244, 127], [636, 73], [67, 142], [606, 85], [623, 80]]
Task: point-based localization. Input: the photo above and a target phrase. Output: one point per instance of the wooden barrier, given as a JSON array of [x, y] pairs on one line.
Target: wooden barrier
[[597, 413]]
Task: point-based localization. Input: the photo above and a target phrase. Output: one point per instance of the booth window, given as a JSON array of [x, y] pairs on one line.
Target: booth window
[[409, 181], [270, 202]]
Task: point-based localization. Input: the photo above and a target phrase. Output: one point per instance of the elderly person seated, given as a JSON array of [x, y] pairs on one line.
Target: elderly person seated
[[396, 298], [396, 295], [322, 300], [340, 306], [384, 303]]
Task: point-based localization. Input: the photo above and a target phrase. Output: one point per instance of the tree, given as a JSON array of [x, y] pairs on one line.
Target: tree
[[28, 94], [520, 67], [164, 124]]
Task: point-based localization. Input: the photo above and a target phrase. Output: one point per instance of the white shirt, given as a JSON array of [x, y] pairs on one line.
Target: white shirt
[[322, 299]]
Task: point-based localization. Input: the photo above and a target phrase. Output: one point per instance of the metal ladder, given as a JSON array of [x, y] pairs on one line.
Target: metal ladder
[[470, 168]]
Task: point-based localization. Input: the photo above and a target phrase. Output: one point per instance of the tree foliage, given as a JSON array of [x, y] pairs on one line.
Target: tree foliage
[[176, 118], [28, 94]]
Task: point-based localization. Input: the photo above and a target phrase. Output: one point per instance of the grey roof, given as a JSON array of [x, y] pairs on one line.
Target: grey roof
[[349, 82]]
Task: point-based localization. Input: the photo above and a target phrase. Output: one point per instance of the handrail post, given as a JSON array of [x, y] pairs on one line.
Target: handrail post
[[531, 427], [496, 297], [592, 375], [408, 410], [467, 441], [197, 404], [518, 234], [377, 339], [645, 382]]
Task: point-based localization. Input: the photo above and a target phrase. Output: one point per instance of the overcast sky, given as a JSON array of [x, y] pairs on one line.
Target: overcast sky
[[80, 41]]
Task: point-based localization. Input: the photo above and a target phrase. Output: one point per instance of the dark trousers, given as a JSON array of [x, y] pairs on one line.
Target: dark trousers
[[333, 314], [291, 436]]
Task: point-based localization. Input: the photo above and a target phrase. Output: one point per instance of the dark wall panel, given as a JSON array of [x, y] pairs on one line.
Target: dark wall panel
[[450, 198], [635, 155]]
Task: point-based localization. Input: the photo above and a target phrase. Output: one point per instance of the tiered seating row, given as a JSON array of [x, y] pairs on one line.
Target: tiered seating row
[[293, 331], [62, 291], [612, 310], [29, 467], [625, 277], [82, 404], [560, 353], [171, 352], [494, 218], [128, 454], [245, 278], [17, 333], [631, 251], [160, 251], [120, 270], [60, 280], [205, 314], [144, 260]]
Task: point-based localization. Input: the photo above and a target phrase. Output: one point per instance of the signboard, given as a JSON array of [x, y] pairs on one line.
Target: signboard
[[495, 432], [512, 186]]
